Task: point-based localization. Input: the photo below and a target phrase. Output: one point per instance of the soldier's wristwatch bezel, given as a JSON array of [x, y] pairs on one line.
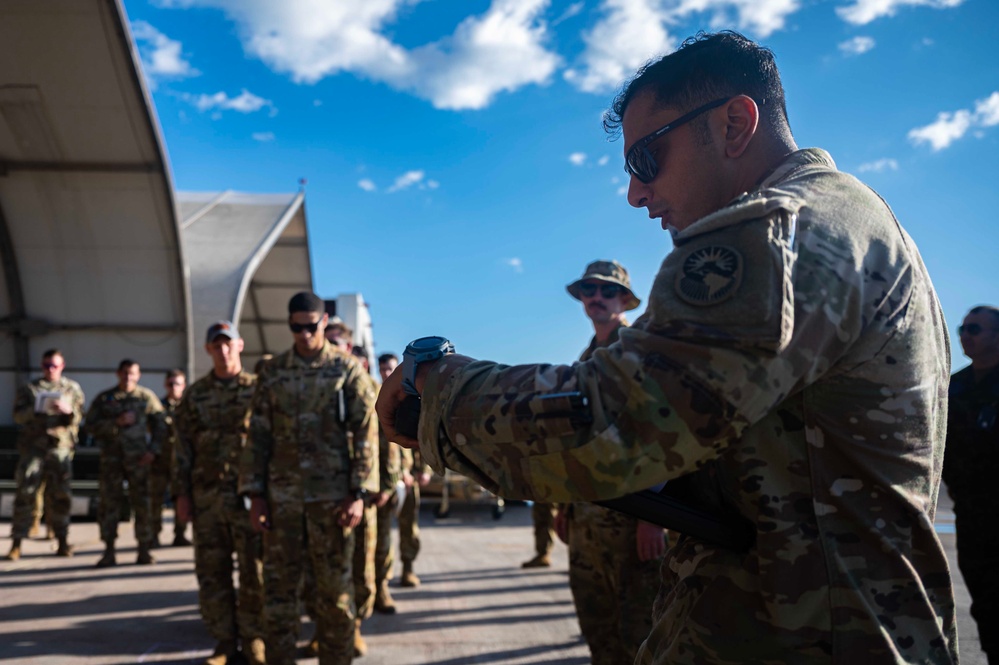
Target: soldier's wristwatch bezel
[[360, 494], [424, 349]]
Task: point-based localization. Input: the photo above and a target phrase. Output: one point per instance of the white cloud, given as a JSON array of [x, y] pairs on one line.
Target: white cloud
[[572, 10], [633, 31], [622, 190], [603, 160], [162, 57], [366, 185], [245, 102], [878, 166], [950, 127], [433, 184], [516, 264], [862, 12], [500, 50], [857, 45], [263, 137], [406, 180], [577, 158]]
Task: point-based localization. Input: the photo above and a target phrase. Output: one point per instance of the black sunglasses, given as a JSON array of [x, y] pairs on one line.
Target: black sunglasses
[[608, 291], [640, 163], [972, 329], [299, 327]]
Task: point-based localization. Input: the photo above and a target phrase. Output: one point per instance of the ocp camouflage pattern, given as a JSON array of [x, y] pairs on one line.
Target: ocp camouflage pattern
[[794, 355]]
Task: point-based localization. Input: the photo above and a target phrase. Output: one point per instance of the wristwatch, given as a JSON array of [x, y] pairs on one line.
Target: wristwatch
[[419, 351], [360, 494]]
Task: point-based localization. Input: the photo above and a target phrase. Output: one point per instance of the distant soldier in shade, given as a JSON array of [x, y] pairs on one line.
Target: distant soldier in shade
[[390, 473], [159, 478], [307, 482], [127, 423], [48, 411], [212, 423]]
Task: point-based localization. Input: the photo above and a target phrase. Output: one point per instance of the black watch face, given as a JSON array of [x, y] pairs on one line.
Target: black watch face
[[427, 343]]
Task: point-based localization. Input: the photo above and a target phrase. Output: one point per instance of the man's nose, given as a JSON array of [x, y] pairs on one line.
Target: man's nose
[[638, 192]]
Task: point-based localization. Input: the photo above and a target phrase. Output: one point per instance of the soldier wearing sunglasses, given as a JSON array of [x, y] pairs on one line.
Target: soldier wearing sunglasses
[[792, 364], [614, 558], [970, 468], [309, 464]]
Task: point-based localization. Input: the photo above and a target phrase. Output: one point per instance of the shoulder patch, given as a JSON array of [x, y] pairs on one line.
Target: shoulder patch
[[709, 275]]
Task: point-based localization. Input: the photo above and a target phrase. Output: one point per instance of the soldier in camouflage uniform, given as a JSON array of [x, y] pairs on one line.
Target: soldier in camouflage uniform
[[793, 360], [307, 482], [970, 467], [127, 423], [160, 471], [614, 559], [543, 518], [415, 474], [390, 473], [212, 423], [45, 444]]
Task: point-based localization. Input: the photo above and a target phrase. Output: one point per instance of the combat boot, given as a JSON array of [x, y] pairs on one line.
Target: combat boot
[[181, 541], [360, 646], [108, 559], [383, 600], [144, 558], [224, 654], [312, 648], [409, 578], [64, 549], [15, 550], [540, 561], [254, 652]]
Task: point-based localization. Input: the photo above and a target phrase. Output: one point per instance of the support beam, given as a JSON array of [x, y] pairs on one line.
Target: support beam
[[7, 166], [15, 300]]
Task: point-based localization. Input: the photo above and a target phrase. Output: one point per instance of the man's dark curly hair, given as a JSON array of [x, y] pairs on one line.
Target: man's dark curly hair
[[706, 67]]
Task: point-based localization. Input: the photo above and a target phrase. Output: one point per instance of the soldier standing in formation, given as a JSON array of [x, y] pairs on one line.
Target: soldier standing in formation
[[127, 424], [614, 559], [390, 473], [307, 482], [48, 410], [793, 361], [543, 518], [970, 468], [159, 473], [212, 423]]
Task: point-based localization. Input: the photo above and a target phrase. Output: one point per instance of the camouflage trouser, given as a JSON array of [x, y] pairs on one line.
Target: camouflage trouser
[[301, 531], [543, 515], [978, 559], [384, 560], [612, 589], [159, 482], [53, 470], [409, 525], [116, 468], [365, 542], [222, 528]]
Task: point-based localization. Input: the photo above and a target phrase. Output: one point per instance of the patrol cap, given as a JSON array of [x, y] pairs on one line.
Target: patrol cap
[[226, 328], [606, 271]]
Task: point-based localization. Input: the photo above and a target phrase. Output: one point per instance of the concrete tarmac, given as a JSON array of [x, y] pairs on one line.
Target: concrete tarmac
[[475, 604]]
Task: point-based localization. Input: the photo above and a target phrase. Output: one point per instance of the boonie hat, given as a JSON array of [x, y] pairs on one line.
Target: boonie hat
[[606, 271], [227, 328]]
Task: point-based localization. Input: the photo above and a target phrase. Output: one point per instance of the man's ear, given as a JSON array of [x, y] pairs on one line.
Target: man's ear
[[742, 116]]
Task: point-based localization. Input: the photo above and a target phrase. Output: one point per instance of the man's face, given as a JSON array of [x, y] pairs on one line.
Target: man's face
[[309, 338], [338, 337], [224, 352], [979, 335], [52, 367], [600, 308], [128, 378], [386, 368], [690, 182], [175, 386]]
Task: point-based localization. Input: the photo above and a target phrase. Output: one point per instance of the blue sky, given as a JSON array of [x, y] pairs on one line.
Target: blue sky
[[459, 178]]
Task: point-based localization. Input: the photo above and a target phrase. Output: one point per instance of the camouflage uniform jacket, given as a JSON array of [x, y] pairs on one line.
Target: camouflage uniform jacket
[[313, 432], [39, 431], [212, 423], [795, 356], [146, 434]]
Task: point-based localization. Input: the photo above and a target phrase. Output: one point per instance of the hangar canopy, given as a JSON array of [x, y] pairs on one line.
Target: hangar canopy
[[248, 254], [89, 239]]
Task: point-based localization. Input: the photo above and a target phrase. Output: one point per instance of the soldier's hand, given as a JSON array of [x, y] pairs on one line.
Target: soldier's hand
[[562, 525], [651, 541], [260, 514], [182, 509], [146, 459], [424, 479], [407, 479], [63, 407], [351, 512], [383, 497]]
